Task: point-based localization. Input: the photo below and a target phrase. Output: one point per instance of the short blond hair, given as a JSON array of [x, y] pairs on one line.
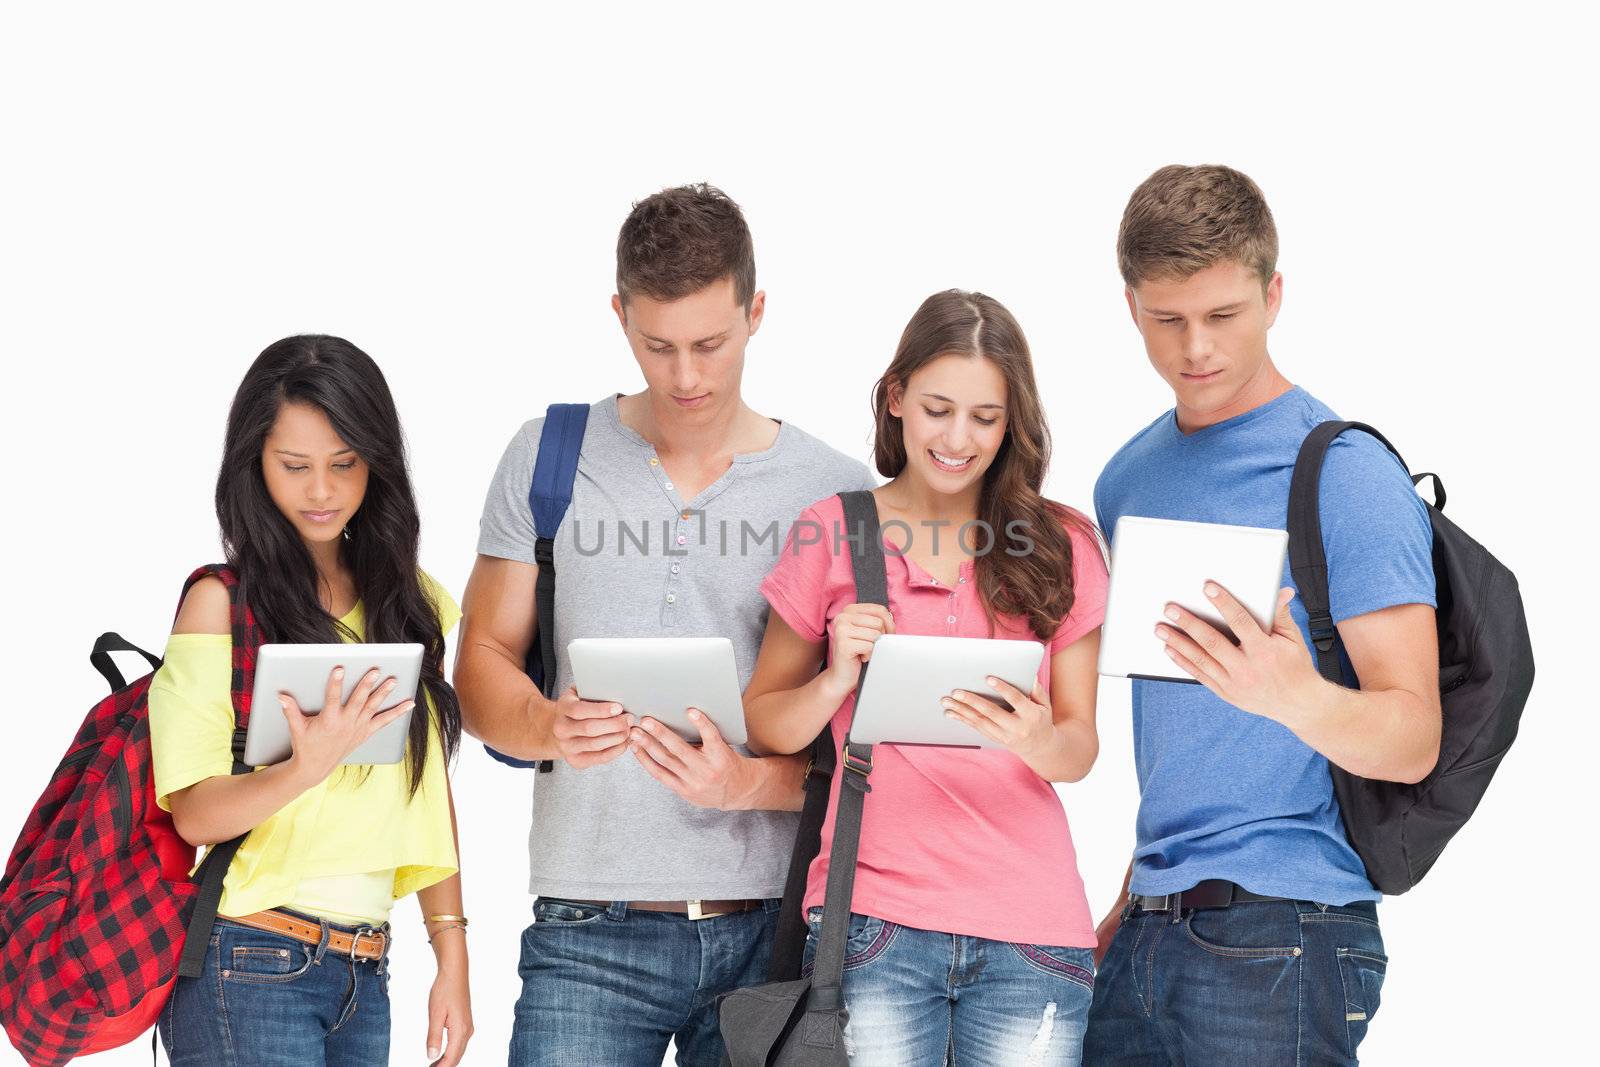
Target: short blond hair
[[1183, 219]]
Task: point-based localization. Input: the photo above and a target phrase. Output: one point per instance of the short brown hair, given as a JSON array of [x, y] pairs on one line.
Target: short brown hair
[[1182, 220], [681, 240]]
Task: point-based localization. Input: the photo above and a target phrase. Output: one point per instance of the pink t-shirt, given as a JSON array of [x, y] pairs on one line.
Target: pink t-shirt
[[963, 841]]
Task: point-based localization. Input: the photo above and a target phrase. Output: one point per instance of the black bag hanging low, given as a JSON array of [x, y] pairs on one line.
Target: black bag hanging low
[[1485, 675], [792, 1021]]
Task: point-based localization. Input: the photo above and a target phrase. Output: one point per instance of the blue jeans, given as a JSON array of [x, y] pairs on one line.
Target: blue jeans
[[1290, 983], [266, 1000], [921, 997], [605, 985]]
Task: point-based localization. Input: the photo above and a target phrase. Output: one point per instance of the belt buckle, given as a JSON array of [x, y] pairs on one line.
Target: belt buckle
[[696, 912], [367, 931]]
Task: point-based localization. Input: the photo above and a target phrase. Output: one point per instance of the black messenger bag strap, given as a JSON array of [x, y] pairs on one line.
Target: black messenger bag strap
[[827, 973], [789, 939]]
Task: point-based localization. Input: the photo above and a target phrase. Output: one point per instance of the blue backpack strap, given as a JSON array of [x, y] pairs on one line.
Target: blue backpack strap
[[549, 496]]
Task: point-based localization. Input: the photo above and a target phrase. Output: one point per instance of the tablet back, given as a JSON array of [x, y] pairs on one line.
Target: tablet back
[[910, 674], [302, 672], [1159, 561], [663, 677]]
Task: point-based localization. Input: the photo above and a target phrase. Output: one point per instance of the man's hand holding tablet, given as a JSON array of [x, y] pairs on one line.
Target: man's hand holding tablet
[[590, 732], [1268, 673]]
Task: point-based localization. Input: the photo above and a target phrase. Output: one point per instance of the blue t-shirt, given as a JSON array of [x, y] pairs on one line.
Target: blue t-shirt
[[1224, 793]]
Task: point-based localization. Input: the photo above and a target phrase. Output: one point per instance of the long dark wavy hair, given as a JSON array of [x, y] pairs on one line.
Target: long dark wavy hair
[[1036, 585], [277, 576]]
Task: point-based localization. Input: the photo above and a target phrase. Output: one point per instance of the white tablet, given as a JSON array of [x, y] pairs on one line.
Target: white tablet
[[1155, 562], [663, 677], [909, 676], [302, 672]]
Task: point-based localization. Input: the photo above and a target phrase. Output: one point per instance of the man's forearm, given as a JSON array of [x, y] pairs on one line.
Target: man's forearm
[[778, 782], [1387, 734], [501, 707]]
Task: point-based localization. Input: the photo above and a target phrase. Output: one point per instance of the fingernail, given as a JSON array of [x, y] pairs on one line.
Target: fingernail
[[433, 1052], [1172, 613], [947, 705], [338, 672], [616, 709], [992, 680], [283, 702], [694, 713], [1212, 589], [949, 714]]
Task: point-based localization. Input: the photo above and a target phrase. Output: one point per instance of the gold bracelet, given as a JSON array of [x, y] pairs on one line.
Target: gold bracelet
[[462, 919]]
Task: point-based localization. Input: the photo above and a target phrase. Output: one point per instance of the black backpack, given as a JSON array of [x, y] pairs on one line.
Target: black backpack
[[1485, 675]]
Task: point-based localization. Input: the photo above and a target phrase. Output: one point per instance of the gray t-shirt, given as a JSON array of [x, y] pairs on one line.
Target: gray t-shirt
[[635, 559]]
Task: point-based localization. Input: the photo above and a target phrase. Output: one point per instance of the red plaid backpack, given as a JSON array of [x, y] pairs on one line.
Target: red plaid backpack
[[98, 914]]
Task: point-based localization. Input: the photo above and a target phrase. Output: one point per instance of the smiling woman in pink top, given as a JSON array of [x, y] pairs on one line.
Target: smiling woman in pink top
[[970, 937]]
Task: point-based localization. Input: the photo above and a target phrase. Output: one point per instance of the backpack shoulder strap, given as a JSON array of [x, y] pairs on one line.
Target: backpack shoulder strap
[[1308, 561], [247, 638], [865, 538], [549, 497], [555, 469]]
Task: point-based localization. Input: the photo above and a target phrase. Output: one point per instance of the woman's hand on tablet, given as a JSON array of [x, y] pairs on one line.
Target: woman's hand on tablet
[[1028, 730], [321, 741], [589, 732], [854, 631]]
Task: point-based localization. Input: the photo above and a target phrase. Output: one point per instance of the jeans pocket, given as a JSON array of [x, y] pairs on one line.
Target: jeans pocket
[[868, 939], [264, 963], [553, 911], [1361, 972], [1237, 933], [1072, 964]]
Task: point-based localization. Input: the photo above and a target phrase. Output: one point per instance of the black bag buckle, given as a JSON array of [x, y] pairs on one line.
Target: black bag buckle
[[1322, 632], [544, 551]]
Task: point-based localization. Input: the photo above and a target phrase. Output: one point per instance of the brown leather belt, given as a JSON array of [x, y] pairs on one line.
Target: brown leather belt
[[363, 944], [694, 909], [1211, 893]]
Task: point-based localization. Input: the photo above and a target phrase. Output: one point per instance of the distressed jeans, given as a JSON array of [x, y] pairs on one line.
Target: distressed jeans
[[925, 998], [266, 1000], [1279, 983], [605, 985]]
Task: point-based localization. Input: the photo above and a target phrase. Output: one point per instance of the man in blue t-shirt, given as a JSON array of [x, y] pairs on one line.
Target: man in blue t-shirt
[[1248, 933]]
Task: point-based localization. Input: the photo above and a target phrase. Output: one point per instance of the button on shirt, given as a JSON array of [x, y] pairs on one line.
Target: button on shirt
[[963, 841]]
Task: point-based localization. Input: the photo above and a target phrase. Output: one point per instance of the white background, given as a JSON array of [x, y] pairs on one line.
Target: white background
[[184, 184]]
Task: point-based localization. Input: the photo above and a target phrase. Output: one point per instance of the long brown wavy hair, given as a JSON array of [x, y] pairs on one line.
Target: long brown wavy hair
[[1038, 584]]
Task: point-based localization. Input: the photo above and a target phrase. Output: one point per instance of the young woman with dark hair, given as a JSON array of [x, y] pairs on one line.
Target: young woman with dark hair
[[319, 526], [970, 936]]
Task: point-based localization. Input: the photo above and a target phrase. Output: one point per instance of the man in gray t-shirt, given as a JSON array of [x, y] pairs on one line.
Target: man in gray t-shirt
[[656, 863]]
